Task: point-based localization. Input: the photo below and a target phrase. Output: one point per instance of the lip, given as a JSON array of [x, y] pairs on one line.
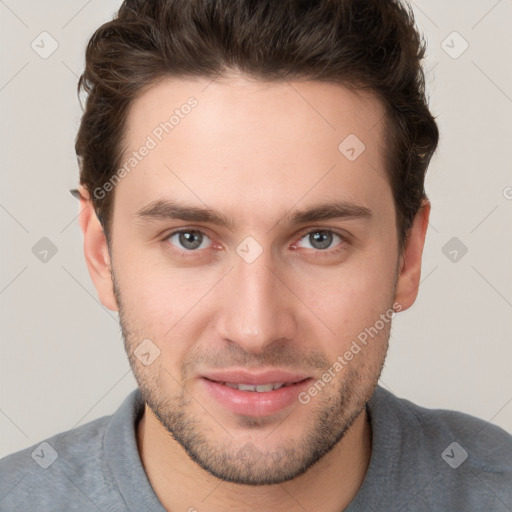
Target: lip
[[245, 377], [253, 403]]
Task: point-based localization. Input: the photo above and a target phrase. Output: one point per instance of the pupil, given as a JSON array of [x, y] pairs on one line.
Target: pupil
[[320, 239], [190, 239]]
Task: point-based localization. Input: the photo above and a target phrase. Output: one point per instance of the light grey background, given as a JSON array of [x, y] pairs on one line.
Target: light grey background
[[62, 361]]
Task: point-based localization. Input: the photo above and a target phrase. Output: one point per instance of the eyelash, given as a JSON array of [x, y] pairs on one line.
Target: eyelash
[[332, 251]]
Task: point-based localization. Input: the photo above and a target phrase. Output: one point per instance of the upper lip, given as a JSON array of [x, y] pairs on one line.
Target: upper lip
[[264, 377]]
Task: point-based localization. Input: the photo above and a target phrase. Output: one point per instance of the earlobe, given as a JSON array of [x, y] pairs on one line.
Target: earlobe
[[96, 252], [409, 272]]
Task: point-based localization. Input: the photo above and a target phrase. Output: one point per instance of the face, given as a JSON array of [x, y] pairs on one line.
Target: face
[[252, 251]]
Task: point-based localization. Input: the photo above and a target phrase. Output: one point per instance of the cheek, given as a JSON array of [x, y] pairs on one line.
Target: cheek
[[351, 297], [165, 304]]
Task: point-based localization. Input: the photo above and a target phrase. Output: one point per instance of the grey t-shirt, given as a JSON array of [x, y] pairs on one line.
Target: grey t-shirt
[[422, 460]]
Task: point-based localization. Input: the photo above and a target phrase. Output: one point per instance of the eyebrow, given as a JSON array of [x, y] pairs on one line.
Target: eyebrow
[[164, 209]]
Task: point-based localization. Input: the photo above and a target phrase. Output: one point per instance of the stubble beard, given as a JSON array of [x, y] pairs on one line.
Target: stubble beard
[[333, 411]]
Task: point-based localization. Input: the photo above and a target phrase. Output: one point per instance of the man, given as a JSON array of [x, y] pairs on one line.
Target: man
[[253, 206]]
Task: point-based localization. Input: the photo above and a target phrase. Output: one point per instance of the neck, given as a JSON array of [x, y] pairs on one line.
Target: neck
[[180, 484]]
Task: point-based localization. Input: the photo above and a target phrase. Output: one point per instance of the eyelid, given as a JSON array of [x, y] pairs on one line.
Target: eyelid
[[187, 230], [316, 229], [345, 238]]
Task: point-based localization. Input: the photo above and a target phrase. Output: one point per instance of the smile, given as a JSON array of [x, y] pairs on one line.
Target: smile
[[255, 395], [259, 388]]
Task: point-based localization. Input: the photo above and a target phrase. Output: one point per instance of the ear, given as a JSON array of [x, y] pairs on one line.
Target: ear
[[409, 270], [96, 252]]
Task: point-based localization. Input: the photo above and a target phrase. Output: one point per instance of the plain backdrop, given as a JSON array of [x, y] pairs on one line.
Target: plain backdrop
[[62, 361]]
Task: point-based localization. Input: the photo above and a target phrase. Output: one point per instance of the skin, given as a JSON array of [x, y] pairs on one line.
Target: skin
[[255, 152]]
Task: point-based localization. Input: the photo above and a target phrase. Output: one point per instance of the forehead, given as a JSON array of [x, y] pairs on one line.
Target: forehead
[[263, 145]]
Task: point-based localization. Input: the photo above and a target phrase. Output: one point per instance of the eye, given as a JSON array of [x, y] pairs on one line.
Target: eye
[[321, 239], [188, 239]]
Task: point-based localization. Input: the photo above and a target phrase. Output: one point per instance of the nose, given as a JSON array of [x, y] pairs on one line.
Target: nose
[[257, 307]]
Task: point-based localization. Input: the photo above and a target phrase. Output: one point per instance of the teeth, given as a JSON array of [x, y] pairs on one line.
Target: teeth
[[260, 388]]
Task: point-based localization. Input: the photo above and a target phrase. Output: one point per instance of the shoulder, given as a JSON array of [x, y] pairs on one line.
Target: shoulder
[[457, 456], [64, 472], [490, 445]]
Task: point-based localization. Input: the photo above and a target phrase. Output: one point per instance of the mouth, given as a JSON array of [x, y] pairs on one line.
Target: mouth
[[255, 395], [258, 388]]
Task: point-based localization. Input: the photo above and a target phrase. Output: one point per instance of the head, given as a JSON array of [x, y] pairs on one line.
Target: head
[[252, 176]]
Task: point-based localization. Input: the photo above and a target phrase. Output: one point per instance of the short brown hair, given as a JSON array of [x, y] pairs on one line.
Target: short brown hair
[[369, 45]]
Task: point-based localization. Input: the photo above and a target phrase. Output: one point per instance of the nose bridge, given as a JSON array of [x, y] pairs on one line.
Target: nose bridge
[[257, 309]]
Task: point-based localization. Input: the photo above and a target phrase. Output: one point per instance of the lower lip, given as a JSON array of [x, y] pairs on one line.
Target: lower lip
[[254, 403]]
